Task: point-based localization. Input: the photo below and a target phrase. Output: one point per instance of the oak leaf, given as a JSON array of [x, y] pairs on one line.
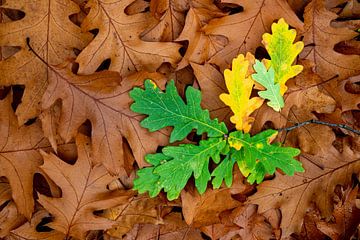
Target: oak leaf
[[200, 46], [29, 229], [320, 38], [244, 29], [170, 16], [240, 84], [119, 40], [84, 190], [19, 156], [137, 210], [103, 100], [52, 35], [202, 210]]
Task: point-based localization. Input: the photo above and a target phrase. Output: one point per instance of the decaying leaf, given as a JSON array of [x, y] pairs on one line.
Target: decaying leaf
[[52, 36], [119, 40], [84, 191], [240, 84]]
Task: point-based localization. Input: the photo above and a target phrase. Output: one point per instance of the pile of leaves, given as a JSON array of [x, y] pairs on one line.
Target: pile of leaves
[[75, 143]]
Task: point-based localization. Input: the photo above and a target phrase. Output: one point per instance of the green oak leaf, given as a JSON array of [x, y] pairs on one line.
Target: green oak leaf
[[258, 157], [267, 79], [177, 164], [168, 109], [224, 171]]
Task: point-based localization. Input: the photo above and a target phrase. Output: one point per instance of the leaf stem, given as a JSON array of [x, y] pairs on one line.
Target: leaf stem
[[314, 121]]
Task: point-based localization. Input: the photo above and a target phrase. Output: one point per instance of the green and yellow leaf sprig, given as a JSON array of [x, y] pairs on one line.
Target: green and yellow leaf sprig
[[255, 155]]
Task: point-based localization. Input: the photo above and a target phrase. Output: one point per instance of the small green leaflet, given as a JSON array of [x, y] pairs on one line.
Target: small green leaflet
[[175, 165], [267, 80], [168, 109], [258, 157]]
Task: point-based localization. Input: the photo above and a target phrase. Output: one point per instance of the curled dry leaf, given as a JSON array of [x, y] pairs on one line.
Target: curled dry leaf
[[119, 40], [84, 190], [244, 29], [52, 35], [103, 100]]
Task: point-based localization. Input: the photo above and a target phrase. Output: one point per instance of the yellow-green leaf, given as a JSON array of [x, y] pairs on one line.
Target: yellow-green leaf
[[239, 84], [283, 51]]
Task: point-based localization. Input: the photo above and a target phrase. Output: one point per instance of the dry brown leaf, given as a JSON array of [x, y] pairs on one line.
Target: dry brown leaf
[[320, 39], [29, 231], [347, 217], [52, 35], [325, 167], [119, 40], [10, 218], [202, 210], [104, 101], [252, 226], [200, 46], [84, 190], [138, 210], [244, 29], [170, 16], [174, 228], [19, 158]]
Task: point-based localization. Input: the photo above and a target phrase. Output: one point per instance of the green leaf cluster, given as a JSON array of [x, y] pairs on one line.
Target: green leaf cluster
[[175, 165]]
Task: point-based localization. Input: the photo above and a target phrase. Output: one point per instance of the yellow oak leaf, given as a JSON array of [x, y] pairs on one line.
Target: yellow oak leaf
[[283, 52], [239, 84]]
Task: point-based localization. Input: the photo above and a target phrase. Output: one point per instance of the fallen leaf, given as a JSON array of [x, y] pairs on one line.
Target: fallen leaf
[[244, 29], [52, 36], [170, 16], [119, 40], [29, 229], [202, 210], [107, 110], [19, 158], [200, 46], [320, 38], [138, 210], [347, 217], [10, 218], [84, 191]]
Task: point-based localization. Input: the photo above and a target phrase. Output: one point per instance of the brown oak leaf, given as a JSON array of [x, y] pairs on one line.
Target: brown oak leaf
[[244, 29], [201, 210], [320, 38], [52, 36], [200, 46], [170, 16], [103, 99], [29, 230], [84, 190], [19, 156], [138, 210], [119, 40]]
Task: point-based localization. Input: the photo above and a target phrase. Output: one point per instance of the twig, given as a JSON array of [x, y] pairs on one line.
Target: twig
[[314, 121]]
